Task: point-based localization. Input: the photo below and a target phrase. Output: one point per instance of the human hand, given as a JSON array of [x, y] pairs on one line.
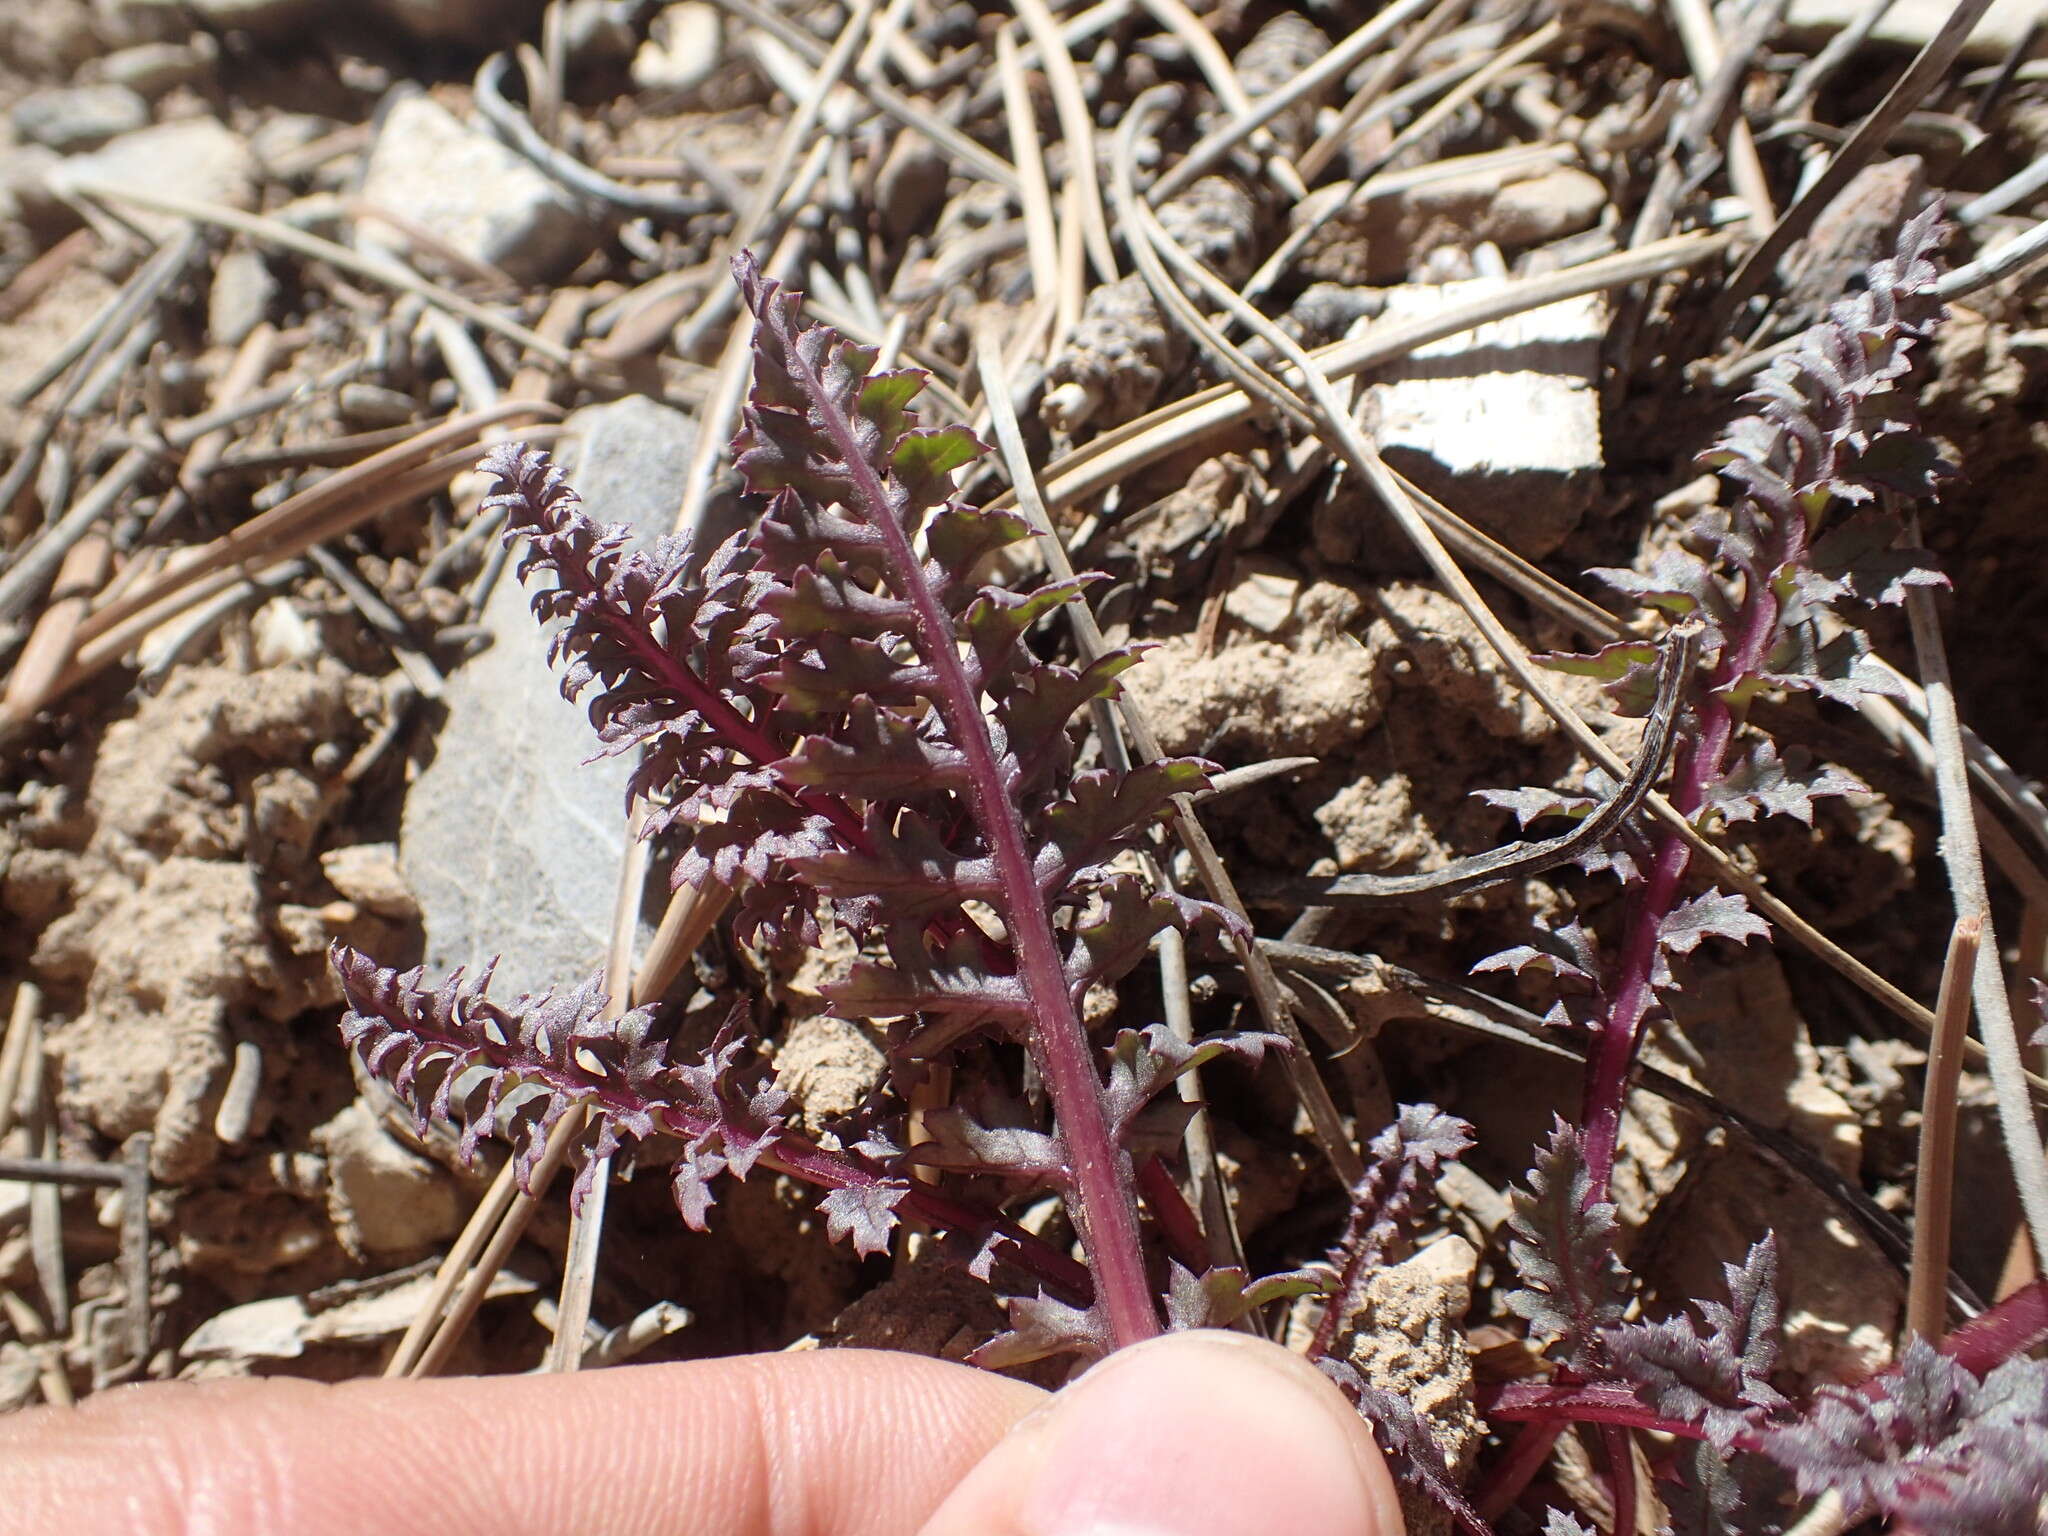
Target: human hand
[[1196, 1434]]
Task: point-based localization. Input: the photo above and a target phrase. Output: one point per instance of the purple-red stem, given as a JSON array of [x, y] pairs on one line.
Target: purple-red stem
[[1701, 763], [1101, 1186], [1515, 1470], [1621, 1477]]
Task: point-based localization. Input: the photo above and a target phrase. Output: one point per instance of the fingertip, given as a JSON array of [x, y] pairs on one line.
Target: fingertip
[[1195, 1434]]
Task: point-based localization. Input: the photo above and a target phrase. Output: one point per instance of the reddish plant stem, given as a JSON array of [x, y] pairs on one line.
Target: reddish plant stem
[[1701, 763], [1516, 1470], [1101, 1187], [1621, 1477], [1176, 1222], [693, 692]]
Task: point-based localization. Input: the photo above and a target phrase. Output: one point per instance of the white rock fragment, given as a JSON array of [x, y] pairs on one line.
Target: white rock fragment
[[198, 158], [368, 875], [281, 1327], [151, 69], [381, 1195], [1503, 421], [477, 196], [681, 50], [1263, 596]]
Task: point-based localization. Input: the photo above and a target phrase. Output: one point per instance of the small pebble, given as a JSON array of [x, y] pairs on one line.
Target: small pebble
[[681, 49], [79, 117], [372, 405], [241, 296], [151, 69]]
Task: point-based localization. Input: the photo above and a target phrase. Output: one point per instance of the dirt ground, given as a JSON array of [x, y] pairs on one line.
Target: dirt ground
[[208, 784]]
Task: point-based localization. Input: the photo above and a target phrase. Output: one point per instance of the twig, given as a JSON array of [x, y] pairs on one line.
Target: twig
[[23, 1041], [1912, 87], [1934, 1181], [586, 1219], [1960, 856], [1807, 81], [1222, 76], [95, 340], [721, 409], [645, 1331], [511, 1226], [1317, 157], [2016, 255], [907, 112], [1041, 227], [379, 615], [519, 132], [1519, 860], [81, 576], [482, 1223], [1309, 1086], [2012, 191], [387, 271], [33, 280], [1702, 40], [1331, 67], [1077, 127]]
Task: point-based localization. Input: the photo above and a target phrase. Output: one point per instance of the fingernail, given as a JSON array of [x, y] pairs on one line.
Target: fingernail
[[1206, 1434]]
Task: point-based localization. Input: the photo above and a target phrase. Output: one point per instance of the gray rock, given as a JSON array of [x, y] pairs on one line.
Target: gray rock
[[478, 196], [48, 40], [197, 157], [150, 69], [79, 116], [911, 188], [243, 291], [122, 23], [628, 459], [510, 840]]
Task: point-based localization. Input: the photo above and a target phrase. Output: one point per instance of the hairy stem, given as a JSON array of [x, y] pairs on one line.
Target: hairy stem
[[1101, 1185]]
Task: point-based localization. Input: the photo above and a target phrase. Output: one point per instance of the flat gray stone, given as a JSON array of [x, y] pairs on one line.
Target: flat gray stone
[[240, 299], [484, 201], [199, 158], [511, 841], [79, 116], [151, 69]]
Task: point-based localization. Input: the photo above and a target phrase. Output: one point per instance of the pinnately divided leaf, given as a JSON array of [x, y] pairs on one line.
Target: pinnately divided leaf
[[839, 719], [1719, 1379], [1573, 1287]]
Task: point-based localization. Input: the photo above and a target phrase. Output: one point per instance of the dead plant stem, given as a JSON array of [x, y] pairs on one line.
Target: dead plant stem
[[1961, 856], [1934, 1180]]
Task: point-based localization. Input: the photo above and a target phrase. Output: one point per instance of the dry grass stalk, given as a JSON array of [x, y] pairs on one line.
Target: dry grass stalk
[[1934, 1184]]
